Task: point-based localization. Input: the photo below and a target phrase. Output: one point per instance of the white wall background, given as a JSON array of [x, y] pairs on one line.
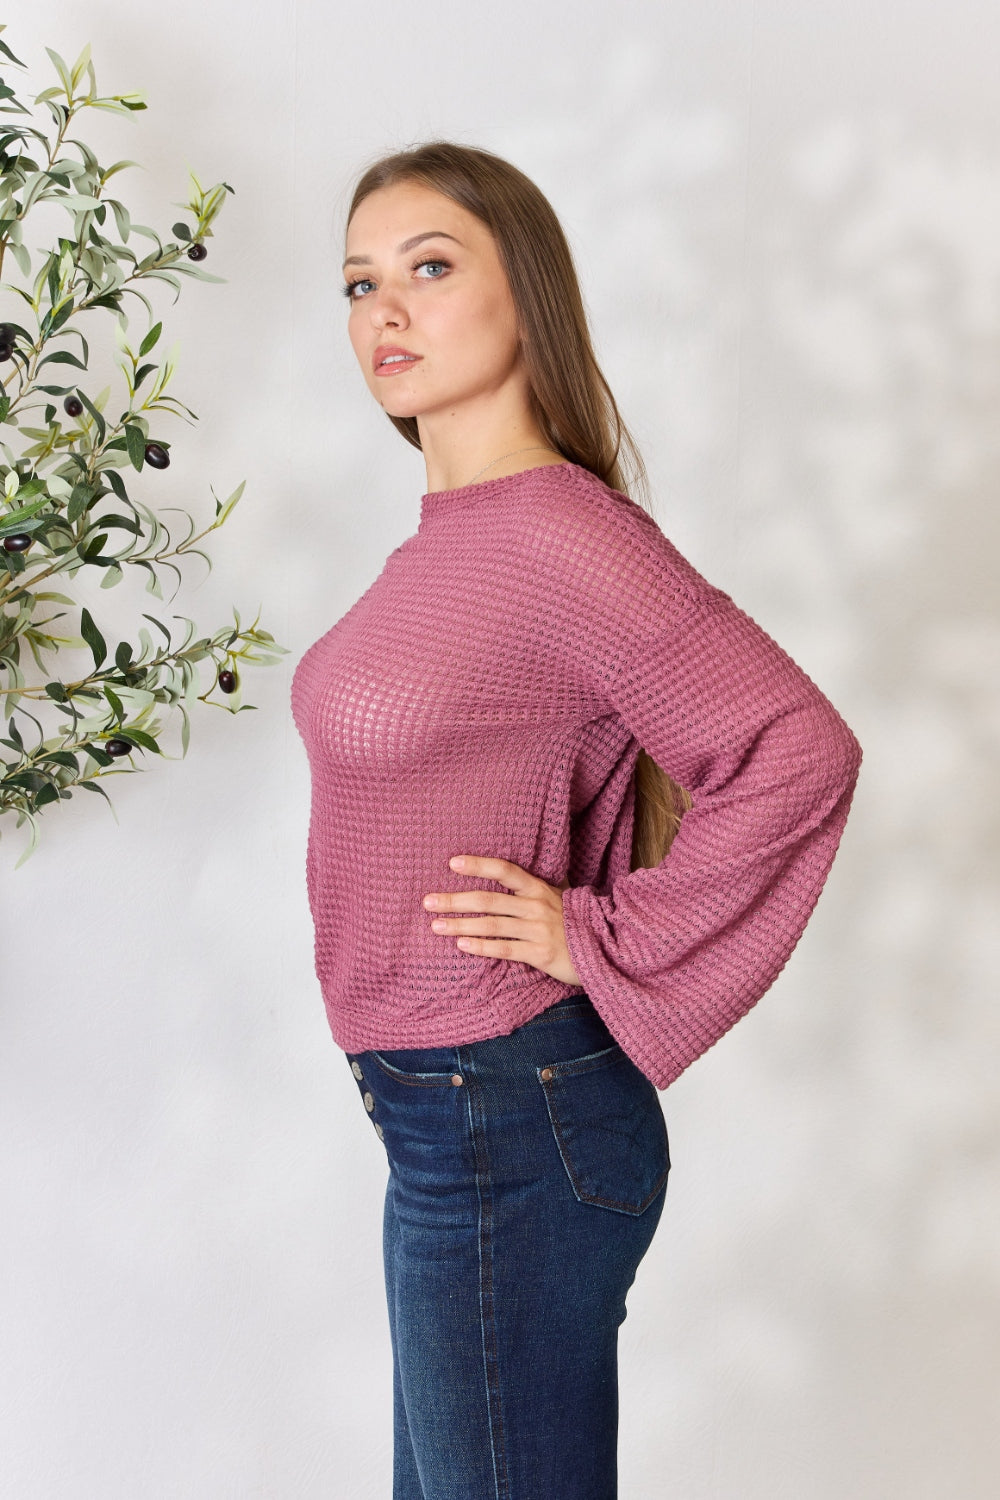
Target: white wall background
[[787, 221]]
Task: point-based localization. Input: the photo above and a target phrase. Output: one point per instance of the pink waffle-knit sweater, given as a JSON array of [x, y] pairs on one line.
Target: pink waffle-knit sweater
[[488, 695]]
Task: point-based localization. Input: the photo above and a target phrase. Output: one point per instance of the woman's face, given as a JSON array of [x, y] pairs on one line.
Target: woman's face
[[427, 280]]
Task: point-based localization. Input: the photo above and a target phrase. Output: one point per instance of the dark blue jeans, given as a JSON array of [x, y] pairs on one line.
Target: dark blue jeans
[[527, 1176]]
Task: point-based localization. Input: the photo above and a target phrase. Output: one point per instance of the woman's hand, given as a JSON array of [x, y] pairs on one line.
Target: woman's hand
[[527, 926]]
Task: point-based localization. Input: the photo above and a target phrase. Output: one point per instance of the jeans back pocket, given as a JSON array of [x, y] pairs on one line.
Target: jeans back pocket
[[609, 1127]]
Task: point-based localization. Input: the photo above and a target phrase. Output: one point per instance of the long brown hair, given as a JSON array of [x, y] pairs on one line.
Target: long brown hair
[[570, 399]]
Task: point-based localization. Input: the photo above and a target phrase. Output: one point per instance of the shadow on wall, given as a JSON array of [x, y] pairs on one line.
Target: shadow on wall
[[869, 467]]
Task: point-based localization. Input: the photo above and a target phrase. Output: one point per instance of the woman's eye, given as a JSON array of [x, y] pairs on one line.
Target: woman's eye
[[351, 287]]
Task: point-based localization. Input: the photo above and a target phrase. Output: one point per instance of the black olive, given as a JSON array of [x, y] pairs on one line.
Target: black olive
[[8, 333], [73, 405], [118, 748], [19, 543], [6, 350], [227, 681], [157, 456], [197, 251]]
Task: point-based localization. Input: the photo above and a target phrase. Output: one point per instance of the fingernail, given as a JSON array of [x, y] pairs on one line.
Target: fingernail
[[457, 862]]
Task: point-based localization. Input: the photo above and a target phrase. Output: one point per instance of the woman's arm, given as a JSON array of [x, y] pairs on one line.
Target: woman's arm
[[673, 956]]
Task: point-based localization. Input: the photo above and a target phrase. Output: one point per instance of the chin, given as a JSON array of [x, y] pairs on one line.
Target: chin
[[401, 409], [397, 405]]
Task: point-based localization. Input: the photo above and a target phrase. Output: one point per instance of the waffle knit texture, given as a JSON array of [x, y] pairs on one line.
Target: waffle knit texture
[[488, 695]]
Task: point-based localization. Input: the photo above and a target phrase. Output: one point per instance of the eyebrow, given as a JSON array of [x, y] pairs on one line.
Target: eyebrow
[[429, 234]]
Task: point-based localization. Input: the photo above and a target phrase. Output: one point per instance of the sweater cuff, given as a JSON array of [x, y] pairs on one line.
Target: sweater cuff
[[635, 1017]]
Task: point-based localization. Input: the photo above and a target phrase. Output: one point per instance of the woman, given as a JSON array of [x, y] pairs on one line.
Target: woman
[[524, 927]]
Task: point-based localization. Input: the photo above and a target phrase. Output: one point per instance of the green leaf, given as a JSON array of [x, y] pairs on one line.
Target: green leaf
[[222, 511], [8, 53], [117, 483], [61, 357], [26, 781], [33, 844], [161, 628], [62, 70], [150, 339], [63, 758], [6, 527], [135, 442], [142, 738], [13, 519], [77, 202], [101, 428], [122, 218], [118, 166], [51, 323], [79, 500], [120, 523], [152, 583], [94, 638], [92, 786], [115, 701]]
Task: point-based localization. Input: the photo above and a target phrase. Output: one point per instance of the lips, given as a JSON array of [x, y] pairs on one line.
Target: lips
[[386, 351]]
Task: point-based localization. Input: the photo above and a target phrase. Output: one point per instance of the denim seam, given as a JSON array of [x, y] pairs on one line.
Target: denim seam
[[487, 1305], [415, 1080], [573, 1066]]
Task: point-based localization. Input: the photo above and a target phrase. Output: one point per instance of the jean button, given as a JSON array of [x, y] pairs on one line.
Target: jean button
[[369, 1103], [379, 1131], [545, 1074], [356, 1070], [457, 1079]]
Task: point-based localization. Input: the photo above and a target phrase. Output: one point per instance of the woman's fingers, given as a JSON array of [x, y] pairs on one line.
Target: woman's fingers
[[523, 923]]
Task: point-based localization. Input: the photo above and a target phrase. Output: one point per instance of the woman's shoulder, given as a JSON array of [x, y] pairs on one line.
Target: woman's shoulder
[[571, 521]]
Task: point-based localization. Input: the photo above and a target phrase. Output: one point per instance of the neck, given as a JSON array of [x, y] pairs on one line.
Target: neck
[[452, 457]]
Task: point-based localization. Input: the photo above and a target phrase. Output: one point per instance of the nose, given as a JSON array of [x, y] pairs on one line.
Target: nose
[[387, 308]]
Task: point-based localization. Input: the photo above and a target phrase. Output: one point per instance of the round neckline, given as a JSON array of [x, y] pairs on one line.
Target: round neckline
[[432, 501]]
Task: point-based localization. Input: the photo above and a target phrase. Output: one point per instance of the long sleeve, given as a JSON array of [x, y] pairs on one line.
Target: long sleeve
[[673, 956]]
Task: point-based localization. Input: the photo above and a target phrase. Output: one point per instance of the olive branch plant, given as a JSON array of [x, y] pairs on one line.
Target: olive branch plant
[[64, 502]]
